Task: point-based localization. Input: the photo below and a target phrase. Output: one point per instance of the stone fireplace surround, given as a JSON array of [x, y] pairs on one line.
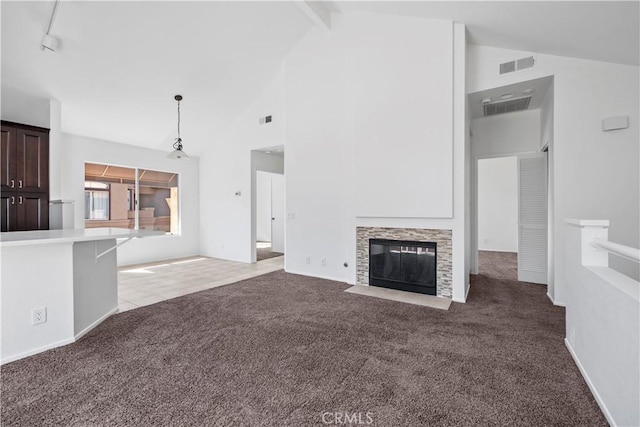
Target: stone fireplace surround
[[444, 286]]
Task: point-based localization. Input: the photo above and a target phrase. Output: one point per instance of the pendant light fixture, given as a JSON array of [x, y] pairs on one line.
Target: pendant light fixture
[[178, 152]]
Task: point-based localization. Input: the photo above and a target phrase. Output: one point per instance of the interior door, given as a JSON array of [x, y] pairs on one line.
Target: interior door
[[263, 206], [277, 213], [532, 218]]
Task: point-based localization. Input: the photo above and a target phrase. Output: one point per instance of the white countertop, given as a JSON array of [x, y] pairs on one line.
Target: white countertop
[[40, 237]]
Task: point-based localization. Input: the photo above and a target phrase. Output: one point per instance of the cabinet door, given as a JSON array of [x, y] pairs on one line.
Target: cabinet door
[[8, 163], [8, 211], [32, 211], [33, 161]]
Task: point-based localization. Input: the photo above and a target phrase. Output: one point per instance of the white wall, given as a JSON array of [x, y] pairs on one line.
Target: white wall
[[546, 118], [498, 204], [546, 139], [594, 174], [602, 327], [81, 150], [226, 219], [461, 168], [23, 291], [318, 92], [399, 78], [263, 206], [506, 134], [56, 150], [359, 97], [21, 107], [319, 156]]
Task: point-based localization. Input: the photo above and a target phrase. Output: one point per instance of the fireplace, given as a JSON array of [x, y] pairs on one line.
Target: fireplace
[[404, 265]]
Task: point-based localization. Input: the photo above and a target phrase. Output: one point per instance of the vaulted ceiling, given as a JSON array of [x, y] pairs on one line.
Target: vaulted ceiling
[[119, 64]]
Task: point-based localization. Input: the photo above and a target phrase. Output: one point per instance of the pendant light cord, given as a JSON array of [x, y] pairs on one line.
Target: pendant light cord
[[178, 119]]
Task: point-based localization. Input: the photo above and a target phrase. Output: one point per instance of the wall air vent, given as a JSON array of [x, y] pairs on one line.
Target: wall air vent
[[508, 67], [525, 63], [509, 106], [517, 65]]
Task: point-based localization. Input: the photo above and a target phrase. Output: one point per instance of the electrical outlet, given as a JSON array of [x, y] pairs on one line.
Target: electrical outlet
[[485, 240], [38, 315], [323, 262], [308, 259]]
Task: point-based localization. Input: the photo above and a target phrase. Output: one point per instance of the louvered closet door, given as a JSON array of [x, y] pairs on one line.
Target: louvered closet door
[[532, 218]]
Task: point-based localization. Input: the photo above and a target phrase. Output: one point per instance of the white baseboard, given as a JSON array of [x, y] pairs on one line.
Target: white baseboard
[[559, 304], [594, 392], [96, 323], [36, 351], [58, 343], [317, 276]]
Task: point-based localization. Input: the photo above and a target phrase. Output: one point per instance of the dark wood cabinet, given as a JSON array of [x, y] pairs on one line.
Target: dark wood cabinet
[[32, 160], [24, 177], [8, 211], [8, 158]]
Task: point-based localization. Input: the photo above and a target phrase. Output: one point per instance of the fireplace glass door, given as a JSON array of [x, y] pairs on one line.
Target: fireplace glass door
[[403, 265]]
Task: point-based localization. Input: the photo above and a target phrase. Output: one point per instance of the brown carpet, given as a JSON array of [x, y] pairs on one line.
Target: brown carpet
[[281, 349], [265, 253], [498, 265]]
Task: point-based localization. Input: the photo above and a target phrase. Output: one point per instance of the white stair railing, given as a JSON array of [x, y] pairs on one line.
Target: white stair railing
[[622, 251]]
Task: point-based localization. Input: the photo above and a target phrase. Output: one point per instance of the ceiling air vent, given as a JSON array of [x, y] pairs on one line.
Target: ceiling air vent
[[509, 106], [517, 65]]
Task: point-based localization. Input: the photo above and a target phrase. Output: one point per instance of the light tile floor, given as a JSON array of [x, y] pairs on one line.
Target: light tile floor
[[146, 284]]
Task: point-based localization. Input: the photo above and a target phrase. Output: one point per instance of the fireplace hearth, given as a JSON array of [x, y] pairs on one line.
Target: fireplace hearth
[[403, 265]]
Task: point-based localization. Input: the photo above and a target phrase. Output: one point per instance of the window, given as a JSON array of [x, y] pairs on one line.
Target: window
[[133, 198], [96, 200]]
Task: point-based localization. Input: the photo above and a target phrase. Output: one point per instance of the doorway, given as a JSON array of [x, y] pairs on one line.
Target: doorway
[[512, 217], [498, 217], [268, 225], [269, 215], [511, 197]]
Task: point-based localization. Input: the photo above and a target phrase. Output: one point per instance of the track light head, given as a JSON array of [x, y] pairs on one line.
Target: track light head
[[49, 42]]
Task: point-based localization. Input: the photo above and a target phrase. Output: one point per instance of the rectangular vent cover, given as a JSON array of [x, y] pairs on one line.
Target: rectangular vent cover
[[517, 65], [508, 106], [508, 67]]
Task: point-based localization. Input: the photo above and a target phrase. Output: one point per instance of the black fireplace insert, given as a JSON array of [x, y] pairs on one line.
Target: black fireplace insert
[[403, 265]]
